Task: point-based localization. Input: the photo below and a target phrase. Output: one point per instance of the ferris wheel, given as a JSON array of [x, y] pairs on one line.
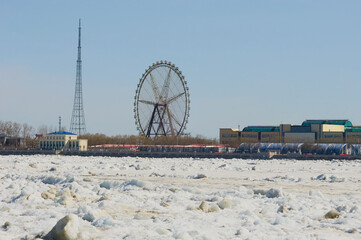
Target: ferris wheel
[[161, 106]]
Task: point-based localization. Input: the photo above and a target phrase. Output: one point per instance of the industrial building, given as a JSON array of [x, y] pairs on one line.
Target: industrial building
[[63, 141], [7, 141], [310, 131], [300, 148]]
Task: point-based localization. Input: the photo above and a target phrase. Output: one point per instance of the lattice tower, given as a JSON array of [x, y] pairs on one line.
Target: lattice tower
[[77, 124]]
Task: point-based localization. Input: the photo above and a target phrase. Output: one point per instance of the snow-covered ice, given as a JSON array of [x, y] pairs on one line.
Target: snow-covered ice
[[149, 198]]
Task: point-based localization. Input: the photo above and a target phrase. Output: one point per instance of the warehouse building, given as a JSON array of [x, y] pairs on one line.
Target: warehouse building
[[7, 141], [300, 148], [229, 135], [63, 141], [310, 131]]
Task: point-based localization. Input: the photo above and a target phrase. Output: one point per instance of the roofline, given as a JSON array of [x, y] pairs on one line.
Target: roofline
[[61, 133], [264, 126], [326, 120]]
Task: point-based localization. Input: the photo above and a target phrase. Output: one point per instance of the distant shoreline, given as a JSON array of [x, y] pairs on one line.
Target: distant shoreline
[[263, 156]]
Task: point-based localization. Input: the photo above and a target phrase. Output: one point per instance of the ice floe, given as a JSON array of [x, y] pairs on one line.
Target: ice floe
[[63, 197]]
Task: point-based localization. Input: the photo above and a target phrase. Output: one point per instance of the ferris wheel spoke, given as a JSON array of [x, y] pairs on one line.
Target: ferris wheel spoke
[[147, 102], [172, 99], [165, 88], [155, 88], [174, 118], [170, 121]]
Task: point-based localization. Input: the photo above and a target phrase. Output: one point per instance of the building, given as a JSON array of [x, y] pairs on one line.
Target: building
[[2, 140], [300, 148], [63, 141], [229, 135], [310, 131], [7, 141]]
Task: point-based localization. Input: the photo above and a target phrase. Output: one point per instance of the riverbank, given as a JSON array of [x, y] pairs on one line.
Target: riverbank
[[181, 155]]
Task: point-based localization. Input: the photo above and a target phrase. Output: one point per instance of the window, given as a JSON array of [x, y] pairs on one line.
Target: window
[[229, 135], [249, 136]]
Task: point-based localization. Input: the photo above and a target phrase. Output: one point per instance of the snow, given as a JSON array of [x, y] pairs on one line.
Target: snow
[[146, 198]]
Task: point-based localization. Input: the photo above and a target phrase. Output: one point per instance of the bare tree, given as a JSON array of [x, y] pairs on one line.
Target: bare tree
[[27, 131], [8, 127], [16, 130], [43, 129], [2, 127]]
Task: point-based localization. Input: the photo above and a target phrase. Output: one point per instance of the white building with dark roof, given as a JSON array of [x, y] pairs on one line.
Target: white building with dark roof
[[63, 141]]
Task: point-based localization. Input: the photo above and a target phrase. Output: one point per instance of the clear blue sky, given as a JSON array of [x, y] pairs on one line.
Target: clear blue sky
[[246, 62]]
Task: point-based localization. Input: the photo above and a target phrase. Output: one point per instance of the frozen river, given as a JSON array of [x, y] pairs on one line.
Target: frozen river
[[145, 198]]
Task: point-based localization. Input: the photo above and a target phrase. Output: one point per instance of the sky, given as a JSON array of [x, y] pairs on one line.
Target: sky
[[246, 62]]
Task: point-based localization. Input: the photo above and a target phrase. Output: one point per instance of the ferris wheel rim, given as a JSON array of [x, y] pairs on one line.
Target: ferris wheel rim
[[185, 114]]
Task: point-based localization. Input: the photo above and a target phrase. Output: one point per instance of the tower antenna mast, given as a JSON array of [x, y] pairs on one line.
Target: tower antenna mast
[[77, 124], [59, 123]]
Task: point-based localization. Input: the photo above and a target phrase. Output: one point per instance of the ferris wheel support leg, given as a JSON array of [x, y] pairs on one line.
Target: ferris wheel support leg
[[151, 120], [161, 124]]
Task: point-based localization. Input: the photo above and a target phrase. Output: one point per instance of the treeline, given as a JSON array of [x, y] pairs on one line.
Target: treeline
[[14, 129], [98, 139], [28, 137], [17, 135], [23, 130]]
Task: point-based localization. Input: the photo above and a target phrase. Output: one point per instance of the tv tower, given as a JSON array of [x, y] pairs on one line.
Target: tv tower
[[77, 124]]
